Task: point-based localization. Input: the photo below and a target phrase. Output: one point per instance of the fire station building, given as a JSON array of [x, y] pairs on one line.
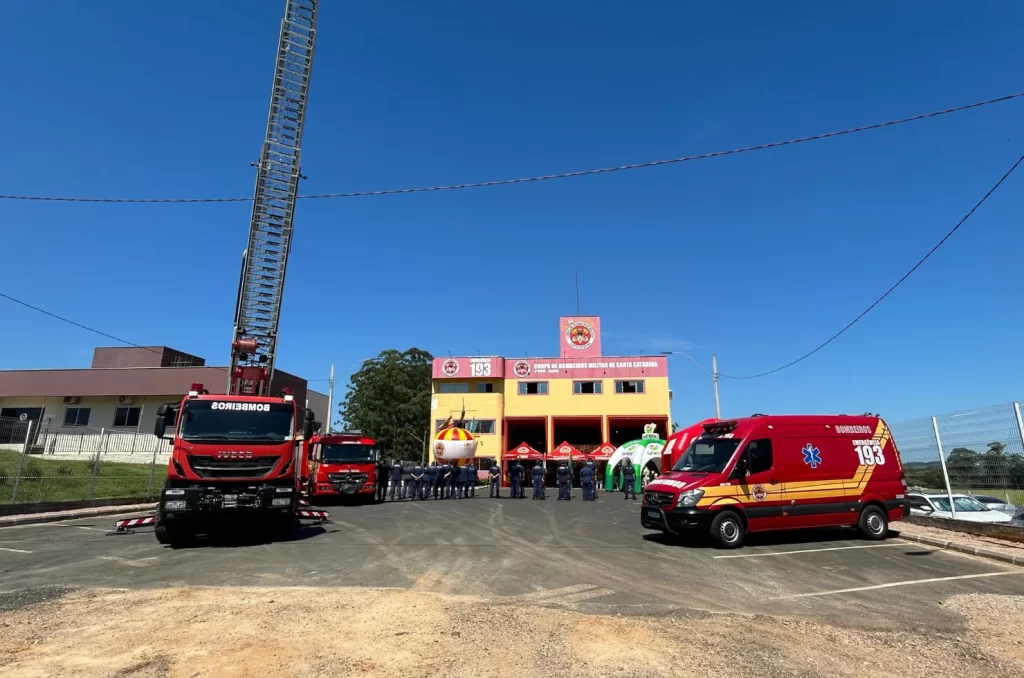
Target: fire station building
[[581, 404]]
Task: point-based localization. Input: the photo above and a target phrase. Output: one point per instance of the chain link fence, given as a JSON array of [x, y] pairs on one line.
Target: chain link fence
[[982, 451], [37, 465]]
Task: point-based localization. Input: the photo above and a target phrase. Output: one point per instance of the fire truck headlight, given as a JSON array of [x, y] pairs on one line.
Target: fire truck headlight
[[281, 501], [174, 493], [177, 505], [690, 498], [283, 490]]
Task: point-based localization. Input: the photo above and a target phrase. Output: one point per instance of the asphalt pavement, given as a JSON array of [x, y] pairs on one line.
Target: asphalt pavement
[[592, 557]]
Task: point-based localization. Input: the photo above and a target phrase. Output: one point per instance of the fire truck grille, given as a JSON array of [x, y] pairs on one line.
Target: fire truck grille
[[211, 467], [337, 478], [658, 498]]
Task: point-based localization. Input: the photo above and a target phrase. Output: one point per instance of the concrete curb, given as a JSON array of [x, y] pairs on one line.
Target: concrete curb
[[33, 518], [964, 548]]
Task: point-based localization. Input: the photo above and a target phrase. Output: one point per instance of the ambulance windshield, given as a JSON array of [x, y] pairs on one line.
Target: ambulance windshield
[[707, 455]]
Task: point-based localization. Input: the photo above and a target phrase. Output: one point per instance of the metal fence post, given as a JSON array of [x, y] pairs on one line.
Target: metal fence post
[[21, 461], [942, 460], [152, 468], [96, 463]]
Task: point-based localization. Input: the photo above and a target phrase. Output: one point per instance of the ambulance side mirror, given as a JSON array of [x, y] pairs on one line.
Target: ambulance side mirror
[[740, 470]]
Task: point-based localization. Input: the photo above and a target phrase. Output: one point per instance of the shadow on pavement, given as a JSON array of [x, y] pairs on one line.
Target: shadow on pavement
[[822, 535]]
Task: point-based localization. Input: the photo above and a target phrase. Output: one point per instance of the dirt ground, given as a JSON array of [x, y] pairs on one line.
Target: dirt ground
[[227, 632]]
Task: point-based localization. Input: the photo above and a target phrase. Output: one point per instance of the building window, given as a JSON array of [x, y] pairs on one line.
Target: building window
[[533, 388], [485, 387], [586, 387], [480, 425], [471, 425], [449, 387], [125, 417], [629, 386], [76, 416]]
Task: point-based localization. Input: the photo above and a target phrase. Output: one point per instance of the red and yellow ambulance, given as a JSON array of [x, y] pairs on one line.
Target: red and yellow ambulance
[[779, 473]]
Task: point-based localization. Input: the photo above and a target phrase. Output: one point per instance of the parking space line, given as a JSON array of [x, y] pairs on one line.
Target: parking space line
[[830, 548], [79, 527], [14, 550], [899, 583]]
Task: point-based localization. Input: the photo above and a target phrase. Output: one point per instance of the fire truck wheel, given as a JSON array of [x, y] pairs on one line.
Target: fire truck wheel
[[170, 534], [873, 523], [727, 530]]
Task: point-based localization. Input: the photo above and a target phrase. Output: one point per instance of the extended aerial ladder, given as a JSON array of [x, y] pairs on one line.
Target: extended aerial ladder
[[260, 290]]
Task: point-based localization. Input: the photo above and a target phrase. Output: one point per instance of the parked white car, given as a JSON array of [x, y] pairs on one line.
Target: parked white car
[[967, 508]]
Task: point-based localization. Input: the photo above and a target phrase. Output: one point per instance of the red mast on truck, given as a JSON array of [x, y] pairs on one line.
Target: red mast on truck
[[240, 455]]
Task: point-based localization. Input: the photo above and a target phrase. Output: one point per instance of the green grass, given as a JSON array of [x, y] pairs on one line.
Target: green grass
[[45, 480]]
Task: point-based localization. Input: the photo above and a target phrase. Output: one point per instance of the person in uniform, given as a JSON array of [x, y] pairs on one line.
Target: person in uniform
[[431, 473], [383, 470], [494, 478], [406, 482], [453, 481], [417, 481], [442, 481], [515, 476], [471, 478], [587, 481], [460, 481], [537, 473], [628, 479], [396, 479], [563, 481]]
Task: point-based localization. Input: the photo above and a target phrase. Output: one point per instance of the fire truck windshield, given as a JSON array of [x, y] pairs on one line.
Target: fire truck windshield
[[228, 420], [334, 452]]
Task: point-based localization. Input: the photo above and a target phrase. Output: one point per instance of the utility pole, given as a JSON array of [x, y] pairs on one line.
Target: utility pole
[[330, 399], [714, 378]]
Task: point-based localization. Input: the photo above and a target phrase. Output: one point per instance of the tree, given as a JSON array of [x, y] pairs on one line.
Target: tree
[[961, 465], [995, 466], [389, 400]]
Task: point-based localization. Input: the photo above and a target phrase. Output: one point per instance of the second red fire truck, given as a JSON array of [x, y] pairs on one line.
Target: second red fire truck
[[340, 465]]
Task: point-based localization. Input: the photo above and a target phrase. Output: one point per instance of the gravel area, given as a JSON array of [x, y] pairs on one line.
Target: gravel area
[[308, 632]]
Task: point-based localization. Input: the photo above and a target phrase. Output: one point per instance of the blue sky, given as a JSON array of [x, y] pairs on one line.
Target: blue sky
[[756, 257]]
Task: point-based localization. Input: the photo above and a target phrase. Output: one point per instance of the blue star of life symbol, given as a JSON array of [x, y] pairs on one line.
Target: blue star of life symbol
[[812, 455]]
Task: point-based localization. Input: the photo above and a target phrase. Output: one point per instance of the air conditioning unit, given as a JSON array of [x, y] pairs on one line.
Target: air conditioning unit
[[126, 400], [72, 400]]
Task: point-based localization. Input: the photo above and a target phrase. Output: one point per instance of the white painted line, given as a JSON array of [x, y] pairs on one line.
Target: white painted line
[[830, 548], [14, 550], [79, 527], [900, 583]]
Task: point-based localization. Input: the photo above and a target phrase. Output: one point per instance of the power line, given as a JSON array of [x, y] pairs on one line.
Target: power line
[[545, 177], [86, 327], [897, 284]]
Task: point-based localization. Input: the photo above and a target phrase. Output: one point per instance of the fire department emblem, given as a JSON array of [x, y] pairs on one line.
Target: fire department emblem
[[759, 493], [439, 450], [580, 335], [450, 367], [521, 368]]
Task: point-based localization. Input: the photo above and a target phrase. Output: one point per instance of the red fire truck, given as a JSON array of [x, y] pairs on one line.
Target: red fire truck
[[232, 457], [340, 465]]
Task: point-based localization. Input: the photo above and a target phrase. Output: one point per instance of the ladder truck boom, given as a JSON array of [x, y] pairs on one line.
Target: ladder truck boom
[[258, 306], [239, 457]]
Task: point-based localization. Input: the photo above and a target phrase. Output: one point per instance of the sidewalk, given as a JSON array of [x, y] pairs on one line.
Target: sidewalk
[[986, 547], [91, 512]]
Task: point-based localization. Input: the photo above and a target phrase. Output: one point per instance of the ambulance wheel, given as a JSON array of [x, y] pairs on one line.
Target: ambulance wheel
[[873, 523], [727, 530]]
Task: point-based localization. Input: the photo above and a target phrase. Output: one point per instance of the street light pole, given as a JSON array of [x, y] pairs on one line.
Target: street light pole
[[713, 376], [330, 399]]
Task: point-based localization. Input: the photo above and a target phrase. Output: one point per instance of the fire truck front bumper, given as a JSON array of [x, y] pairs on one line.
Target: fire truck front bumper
[[203, 502]]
